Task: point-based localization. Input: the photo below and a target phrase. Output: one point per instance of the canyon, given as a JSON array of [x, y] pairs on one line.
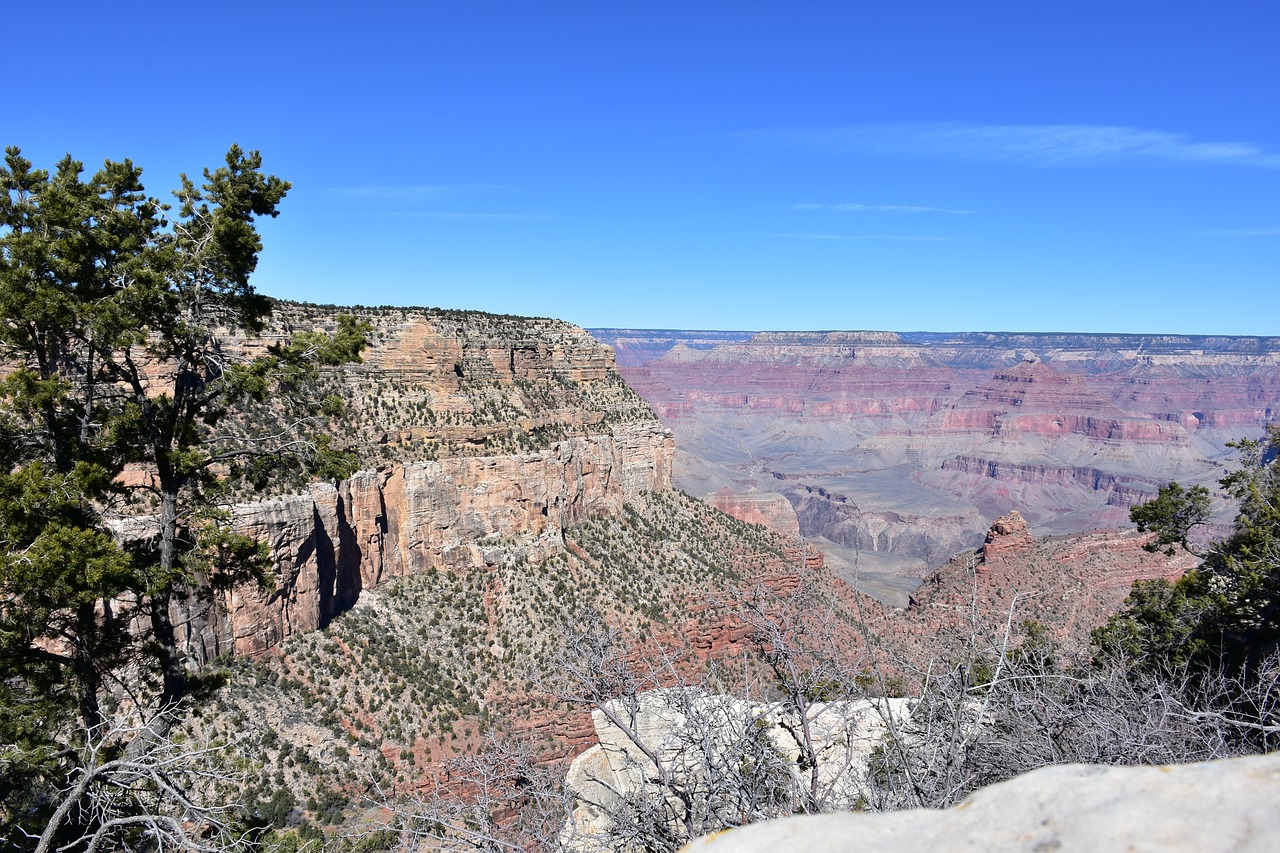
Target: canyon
[[890, 453], [512, 484], [895, 450]]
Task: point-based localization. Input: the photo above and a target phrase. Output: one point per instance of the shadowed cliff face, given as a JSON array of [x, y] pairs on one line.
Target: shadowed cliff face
[[472, 428], [905, 446]]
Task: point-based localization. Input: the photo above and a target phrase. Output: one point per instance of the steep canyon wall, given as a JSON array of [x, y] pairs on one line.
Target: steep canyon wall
[[474, 429]]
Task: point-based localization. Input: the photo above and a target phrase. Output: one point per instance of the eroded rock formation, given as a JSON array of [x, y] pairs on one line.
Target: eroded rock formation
[[702, 741], [857, 429], [1008, 536], [494, 428], [1067, 584], [334, 541], [765, 508]]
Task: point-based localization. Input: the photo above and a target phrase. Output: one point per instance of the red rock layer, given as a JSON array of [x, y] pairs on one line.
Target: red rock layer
[[770, 510], [1069, 584], [1070, 429]]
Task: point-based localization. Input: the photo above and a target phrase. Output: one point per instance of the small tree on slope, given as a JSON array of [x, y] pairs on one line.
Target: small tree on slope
[[1224, 615]]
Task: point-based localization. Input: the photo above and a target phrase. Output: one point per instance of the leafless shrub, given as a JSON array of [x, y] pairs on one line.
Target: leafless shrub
[[131, 790], [1007, 709], [813, 673], [678, 759], [498, 799]]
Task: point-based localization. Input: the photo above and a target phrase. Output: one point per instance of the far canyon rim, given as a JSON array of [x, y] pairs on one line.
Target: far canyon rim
[[893, 451]]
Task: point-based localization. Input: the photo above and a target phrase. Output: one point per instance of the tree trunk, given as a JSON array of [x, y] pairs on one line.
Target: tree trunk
[[171, 667], [87, 681]]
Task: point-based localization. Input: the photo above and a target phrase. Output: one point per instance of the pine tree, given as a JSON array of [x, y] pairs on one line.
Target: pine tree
[[119, 321]]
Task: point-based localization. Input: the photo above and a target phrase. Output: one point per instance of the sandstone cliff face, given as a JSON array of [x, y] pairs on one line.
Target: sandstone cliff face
[[520, 428], [765, 508], [1008, 536]]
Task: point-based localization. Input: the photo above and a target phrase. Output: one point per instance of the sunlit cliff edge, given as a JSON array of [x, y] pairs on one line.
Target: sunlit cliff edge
[[468, 426]]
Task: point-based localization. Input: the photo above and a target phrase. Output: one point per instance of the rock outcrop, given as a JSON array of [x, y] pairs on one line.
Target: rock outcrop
[[702, 742], [1067, 584], [492, 428], [1008, 536], [765, 508], [1195, 808]]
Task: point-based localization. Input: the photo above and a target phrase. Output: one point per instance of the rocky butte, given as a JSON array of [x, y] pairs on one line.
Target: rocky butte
[[895, 451]]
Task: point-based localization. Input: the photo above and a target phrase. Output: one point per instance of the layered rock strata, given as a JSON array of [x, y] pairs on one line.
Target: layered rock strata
[[1007, 537], [500, 428], [764, 508], [856, 429], [1067, 584]]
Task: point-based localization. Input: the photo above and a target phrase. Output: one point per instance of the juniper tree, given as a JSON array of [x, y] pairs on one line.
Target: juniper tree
[[1224, 614], [120, 323]]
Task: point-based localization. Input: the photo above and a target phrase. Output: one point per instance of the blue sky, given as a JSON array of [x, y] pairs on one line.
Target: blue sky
[[912, 166]]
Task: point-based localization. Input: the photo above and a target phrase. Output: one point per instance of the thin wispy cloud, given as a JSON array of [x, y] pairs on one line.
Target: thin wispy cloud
[[411, 192], [902, 237], [1241, 232], [431, 193], [1023, 144], [877, 208], [496, 217]]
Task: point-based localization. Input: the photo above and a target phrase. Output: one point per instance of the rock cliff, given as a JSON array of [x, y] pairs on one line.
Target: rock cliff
[[766, 508], [474, 427], [1008, 536]]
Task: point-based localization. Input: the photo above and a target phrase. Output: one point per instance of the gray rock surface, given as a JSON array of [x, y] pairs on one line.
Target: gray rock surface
[[697, 738], [1215, 806]]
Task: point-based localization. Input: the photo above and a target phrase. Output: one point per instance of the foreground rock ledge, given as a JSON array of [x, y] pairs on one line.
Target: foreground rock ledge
[[1214, 806]]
